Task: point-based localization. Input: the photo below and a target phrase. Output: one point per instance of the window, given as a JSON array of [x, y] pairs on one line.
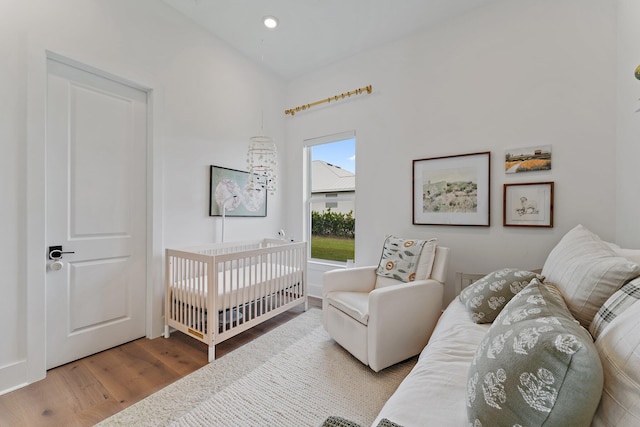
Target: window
[[331, 197]]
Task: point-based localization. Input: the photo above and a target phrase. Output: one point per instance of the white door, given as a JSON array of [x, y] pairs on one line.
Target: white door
[[96, 208]]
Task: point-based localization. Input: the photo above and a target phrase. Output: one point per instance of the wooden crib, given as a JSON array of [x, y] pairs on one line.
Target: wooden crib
[[252, 282]]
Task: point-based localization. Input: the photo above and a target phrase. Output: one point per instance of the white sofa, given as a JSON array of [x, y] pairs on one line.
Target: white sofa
[[435, 392]]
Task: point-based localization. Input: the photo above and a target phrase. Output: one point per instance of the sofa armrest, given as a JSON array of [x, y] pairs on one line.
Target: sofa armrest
[[401, 320], [358, 279]]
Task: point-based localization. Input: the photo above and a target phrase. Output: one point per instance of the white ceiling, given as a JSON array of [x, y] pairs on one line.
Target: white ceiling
[[314, 33]]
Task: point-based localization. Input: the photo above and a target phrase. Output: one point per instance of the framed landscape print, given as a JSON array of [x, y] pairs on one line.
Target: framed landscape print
[[231, 194], [528, 205], [452, 190], [528, 159]]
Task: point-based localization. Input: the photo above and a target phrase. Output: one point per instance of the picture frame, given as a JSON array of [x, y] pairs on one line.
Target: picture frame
[[528, 204], [230, 194], [527, 159], [452, 190]]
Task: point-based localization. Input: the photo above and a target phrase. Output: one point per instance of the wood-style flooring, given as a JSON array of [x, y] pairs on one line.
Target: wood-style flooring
[[89, 390]]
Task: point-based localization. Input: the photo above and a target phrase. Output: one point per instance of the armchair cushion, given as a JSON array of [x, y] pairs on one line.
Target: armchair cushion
[[355, 304], [405, 260]]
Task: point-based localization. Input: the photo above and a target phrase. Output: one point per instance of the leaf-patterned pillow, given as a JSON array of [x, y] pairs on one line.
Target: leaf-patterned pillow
[[486, 297], [400, 258], [535, 367]]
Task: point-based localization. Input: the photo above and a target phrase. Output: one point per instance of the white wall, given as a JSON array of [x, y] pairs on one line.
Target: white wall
[[512, 74], [207, 102], [13, 100], [628, 137]]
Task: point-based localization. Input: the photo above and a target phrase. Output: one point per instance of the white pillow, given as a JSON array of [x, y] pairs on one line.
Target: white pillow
[[632, 254], [617, 303], [425, 263], [619, 348], [587, 272]]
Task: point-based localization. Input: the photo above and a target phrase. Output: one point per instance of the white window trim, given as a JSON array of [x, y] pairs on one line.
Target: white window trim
[[309, 199]]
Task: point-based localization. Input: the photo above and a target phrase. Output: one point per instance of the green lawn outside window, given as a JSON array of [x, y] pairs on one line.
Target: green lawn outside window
[[332, 248]]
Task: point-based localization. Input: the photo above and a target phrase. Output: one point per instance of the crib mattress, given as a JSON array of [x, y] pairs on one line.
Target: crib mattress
[[237, 286]]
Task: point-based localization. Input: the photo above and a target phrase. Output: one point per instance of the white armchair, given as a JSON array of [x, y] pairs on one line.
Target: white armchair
[[382, 321]]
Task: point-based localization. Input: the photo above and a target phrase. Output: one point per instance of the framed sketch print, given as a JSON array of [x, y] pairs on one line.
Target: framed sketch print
[[452, 190], [528, 205], [231, 194]]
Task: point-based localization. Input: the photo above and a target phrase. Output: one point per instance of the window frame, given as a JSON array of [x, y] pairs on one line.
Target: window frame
[[309, 199]]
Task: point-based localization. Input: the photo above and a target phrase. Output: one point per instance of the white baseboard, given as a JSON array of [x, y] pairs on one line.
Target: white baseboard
[[13, 376]]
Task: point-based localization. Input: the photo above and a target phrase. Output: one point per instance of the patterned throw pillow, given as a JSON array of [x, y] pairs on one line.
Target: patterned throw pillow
[[535, 367], [587, 272], [334, 421], [614, 306], [400, 258], [486, 297], [619, 348]]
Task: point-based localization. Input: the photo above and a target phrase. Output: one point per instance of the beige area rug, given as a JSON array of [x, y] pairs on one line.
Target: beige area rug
[[295, 375]]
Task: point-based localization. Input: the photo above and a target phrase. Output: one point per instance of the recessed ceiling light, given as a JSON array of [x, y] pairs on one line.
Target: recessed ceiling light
[[270, 22]]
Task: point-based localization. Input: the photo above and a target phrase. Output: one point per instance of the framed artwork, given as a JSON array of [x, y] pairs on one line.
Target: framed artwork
[[452, 190], [230, 194], [528, 205], [528, 159]]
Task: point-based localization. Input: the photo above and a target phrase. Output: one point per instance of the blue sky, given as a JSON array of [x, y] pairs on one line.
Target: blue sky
[[342, 153]]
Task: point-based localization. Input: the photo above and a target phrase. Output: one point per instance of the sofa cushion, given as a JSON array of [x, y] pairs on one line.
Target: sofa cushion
[[533, 364], [622, 299], [405, 260], [486, 297], [433, 393], [619, 348], [587, 272]]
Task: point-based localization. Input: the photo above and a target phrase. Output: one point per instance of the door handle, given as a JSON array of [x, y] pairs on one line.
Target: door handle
[[55, 252]]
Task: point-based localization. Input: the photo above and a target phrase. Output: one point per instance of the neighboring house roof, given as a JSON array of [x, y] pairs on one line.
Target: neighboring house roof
[[327, 178]]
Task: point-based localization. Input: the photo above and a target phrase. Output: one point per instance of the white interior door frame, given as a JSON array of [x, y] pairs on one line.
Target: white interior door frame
[[33, 367]]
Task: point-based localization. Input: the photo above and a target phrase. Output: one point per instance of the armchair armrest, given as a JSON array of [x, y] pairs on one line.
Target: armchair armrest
[[401, 320], [359, 279]]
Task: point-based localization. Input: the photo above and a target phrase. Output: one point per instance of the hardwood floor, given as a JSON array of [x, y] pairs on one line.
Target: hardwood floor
[[89, 390]]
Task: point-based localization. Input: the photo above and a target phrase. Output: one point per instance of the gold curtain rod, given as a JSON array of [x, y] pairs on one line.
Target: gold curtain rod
[[293, 111]]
